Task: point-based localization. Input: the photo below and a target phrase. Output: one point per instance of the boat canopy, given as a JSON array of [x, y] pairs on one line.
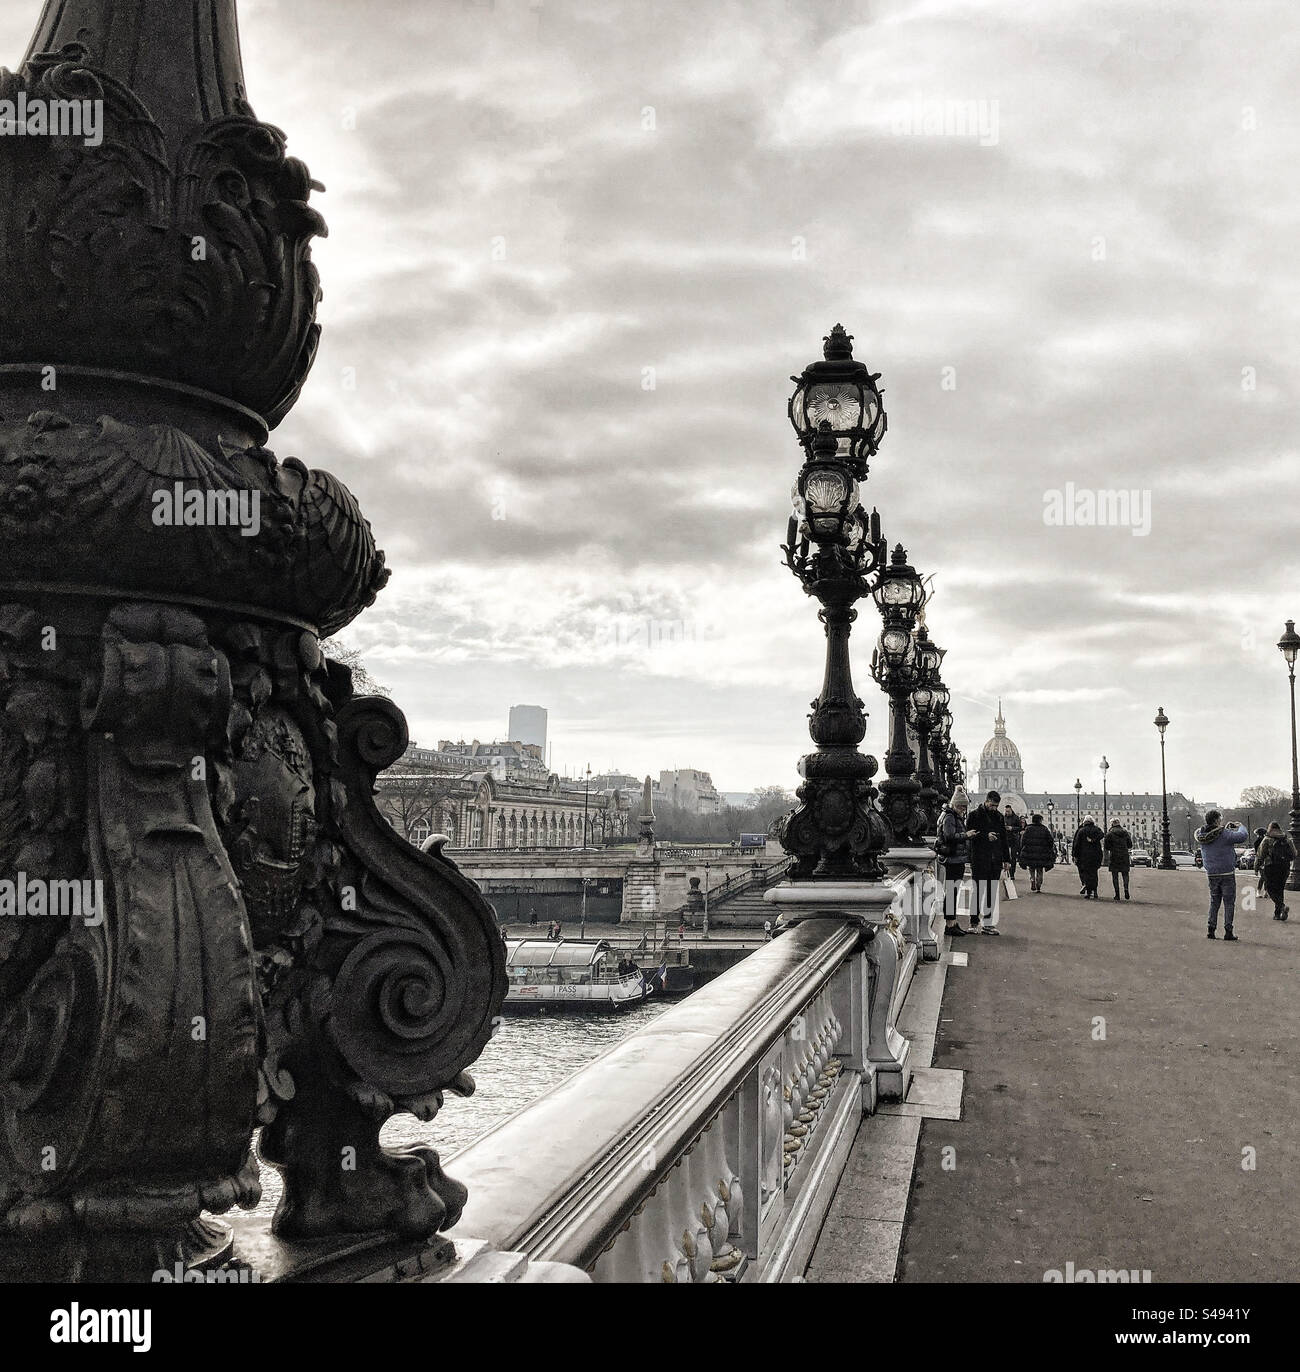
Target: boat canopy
[[544, 953]]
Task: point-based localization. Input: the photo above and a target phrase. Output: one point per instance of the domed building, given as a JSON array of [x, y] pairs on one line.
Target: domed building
[[1001, 769]]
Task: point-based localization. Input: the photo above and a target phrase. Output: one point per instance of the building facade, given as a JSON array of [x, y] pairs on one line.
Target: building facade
[[690, 789], [484, 810]]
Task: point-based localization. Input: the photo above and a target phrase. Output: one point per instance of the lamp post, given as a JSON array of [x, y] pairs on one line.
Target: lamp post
[[925, 702], [586, 795], [899, 594], [836, 551], [1166, 863], [1078, 805], [1289, 643], [1105, 767], [1051, 816], [706, 900], [940, 742]]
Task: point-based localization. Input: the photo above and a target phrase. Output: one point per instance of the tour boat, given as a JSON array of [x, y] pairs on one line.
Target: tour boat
[[545, 974]]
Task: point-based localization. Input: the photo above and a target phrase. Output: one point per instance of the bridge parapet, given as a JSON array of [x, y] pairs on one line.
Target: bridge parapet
[[707, 1145]]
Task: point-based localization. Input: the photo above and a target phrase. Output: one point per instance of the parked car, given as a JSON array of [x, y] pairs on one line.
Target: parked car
[[1140, 860], [1182, 858]]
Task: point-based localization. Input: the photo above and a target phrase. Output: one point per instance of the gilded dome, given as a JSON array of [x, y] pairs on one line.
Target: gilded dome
[[999, 752]]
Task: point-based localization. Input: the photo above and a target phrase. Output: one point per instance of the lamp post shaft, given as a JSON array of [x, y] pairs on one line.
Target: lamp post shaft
[[1293, 881], [1167, 863]]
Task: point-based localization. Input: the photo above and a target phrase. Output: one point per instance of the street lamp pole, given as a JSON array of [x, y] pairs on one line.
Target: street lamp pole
[[706, 900], [1105, 767], [586, 795], [1078, 804], [1166, 863], [836, 550], [1289, 643]]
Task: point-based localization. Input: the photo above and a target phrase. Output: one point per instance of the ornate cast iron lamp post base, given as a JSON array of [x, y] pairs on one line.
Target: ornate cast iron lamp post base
[[267, 950]]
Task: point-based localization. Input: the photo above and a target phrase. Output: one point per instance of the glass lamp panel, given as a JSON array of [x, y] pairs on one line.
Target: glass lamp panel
[[838, 401], [797, 413], [826, 493], [895, 591], [922, 699], [895, 643]]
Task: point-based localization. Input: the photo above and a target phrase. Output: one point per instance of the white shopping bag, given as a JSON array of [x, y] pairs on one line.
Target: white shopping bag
[[1009, 888]]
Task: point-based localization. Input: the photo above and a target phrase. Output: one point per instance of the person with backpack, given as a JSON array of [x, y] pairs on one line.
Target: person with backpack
[[1273, 861], [1118, 847], [1037, 851], [952, 848], [1087, 851]]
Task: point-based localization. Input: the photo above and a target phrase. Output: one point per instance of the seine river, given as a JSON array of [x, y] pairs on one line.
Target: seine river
[[528, 1055]]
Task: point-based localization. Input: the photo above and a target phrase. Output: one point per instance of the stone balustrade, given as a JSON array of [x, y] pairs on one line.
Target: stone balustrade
[[706, 1146]]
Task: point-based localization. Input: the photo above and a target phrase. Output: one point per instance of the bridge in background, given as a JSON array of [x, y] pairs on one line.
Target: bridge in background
[[637, 884]]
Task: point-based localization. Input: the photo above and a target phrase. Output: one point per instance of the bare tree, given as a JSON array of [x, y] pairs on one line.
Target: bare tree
[[362, 682], [412, 800]]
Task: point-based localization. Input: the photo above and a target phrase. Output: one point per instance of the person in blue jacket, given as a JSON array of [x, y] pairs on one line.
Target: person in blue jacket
[[1218, 850]]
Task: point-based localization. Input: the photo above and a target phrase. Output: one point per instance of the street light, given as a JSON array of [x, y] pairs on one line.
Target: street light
[[1078, 804], [586, 793], [1289, 643], [1105, 767], [895, 667], [1166, 863], [836, 550], [924, 705]]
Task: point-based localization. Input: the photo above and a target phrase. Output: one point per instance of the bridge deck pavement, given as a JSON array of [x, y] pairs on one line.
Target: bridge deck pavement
[[1119, 1152]]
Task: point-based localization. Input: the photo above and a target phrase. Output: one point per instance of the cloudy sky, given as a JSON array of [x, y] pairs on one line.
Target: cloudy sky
[[577, 248]]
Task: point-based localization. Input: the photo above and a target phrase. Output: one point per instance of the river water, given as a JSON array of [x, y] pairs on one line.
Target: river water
[[528, 1055]]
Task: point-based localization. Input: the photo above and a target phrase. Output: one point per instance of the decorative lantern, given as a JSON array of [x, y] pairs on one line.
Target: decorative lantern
[[843, 394]]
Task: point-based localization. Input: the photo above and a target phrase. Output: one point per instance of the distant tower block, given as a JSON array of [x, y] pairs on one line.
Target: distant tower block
[[528, 725]]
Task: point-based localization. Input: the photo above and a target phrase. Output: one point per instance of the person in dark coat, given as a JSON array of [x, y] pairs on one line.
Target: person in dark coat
[[1087, 851], [1273, 862], [1037, 851], [989, 857], [1118, 846], [1015, 827], [952, 848]]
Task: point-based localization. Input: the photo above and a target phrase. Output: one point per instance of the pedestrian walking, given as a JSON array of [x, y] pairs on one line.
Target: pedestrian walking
[[989, 860], [1087, 854], [1218, 852], [952, 848], [1037, 851], [1118, 846], [1273, 860], [1015, 828]]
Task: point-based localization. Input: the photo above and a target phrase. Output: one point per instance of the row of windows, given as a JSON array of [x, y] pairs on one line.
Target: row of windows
[[517, 830]]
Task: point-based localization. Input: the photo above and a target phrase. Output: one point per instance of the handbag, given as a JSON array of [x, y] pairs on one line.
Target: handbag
[[1009, 888]]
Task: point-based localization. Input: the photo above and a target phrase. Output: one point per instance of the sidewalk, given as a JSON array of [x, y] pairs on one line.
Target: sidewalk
[[1123, 1151]]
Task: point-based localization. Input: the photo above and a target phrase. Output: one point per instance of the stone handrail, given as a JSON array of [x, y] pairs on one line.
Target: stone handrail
[[706, 1145]]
